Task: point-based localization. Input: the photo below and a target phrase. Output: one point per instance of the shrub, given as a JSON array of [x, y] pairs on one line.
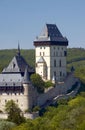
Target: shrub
[[48, 84]]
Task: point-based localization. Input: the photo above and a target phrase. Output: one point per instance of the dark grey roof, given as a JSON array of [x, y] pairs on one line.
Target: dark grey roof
[[26, 78], [17, 65], [51, 33]]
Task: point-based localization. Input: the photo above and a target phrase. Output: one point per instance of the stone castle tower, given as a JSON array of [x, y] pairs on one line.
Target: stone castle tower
[[51, 52]]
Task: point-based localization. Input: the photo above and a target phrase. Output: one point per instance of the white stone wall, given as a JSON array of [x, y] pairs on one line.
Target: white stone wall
[[24, 100], [26, 115], [51, 53], [45, 52], [20, 99]]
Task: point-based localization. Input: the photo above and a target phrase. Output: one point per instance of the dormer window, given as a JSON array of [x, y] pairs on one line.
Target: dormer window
[[14, 65]]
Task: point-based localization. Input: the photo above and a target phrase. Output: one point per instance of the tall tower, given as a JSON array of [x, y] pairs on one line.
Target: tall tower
[[51, 52]]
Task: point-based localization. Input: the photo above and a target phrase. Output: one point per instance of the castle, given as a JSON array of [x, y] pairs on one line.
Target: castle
[[50, 53]]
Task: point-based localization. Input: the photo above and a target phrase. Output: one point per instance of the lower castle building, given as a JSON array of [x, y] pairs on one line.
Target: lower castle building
[[15, 84]]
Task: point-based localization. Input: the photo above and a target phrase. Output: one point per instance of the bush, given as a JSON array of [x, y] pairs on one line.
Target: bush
[[14, 112], [48, 84], [36, 108], [5, 125], [37, 82]]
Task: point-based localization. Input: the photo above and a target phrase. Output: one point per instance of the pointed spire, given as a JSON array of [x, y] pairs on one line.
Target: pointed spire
[[26, 76], [18, 49]]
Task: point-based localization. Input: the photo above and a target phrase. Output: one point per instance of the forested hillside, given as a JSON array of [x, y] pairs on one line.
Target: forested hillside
[[75, 57], [7, 55], [68, 115]]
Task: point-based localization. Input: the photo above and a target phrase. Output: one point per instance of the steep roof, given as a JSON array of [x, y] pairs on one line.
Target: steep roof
[[41, 60], [51, 34], [17, 65], [26, 78]]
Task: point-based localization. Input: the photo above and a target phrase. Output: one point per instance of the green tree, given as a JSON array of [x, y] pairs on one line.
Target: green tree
[[5, 125], [48, 84], [38, 82], [14, 112]]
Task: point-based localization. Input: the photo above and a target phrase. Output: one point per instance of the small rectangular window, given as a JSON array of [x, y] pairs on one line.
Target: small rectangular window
[[54, 63], [40, 53], [60, 73], [65, 53], [43, 54]]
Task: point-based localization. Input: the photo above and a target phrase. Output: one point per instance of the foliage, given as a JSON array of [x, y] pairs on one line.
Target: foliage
[[37, 82], [14, 112], [36, 108], [5, 125], [48, 84], [7, 55], [70, 116], [62, 101]]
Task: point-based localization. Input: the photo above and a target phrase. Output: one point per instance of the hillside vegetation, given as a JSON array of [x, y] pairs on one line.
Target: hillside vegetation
[[7, 55], [68, 116], [75, 57]]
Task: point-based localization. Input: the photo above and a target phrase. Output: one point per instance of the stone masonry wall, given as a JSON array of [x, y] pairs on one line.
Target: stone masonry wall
[[61, 88]]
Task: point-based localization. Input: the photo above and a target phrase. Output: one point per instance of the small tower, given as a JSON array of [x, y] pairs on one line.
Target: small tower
[[41, 68], [28, 102], [52, 47]]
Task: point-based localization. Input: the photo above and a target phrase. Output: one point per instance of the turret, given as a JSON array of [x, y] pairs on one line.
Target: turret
[[27, 90]]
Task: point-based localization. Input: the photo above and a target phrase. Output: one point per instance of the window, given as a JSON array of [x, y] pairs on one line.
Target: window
[[60, 63], [14, 65], [56, 53], [17, 100], [44, 47], [54, 73], [60, 53], [65, 53], [43, 53], [54, 63], [40, 53], [60, 73], [40, 47], [5, 100]]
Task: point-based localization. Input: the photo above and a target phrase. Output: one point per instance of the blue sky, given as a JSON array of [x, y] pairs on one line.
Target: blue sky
[[23, 20]]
